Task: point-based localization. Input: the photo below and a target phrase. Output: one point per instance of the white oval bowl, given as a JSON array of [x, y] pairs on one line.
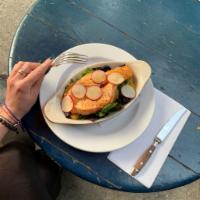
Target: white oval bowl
[[53, 110]]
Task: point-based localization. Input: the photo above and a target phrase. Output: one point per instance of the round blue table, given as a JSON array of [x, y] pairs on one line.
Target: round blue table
[[164, 33]]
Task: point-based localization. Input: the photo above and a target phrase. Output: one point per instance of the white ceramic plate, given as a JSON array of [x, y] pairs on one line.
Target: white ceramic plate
[[111, 134]]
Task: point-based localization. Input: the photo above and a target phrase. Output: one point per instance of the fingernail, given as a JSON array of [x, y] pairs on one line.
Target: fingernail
[[47, 60], [52, 57]]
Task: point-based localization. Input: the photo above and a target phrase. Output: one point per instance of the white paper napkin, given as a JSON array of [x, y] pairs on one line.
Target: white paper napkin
[[126, 157]]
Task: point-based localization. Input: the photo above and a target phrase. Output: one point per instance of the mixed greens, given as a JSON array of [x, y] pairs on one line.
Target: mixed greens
[[108, 108]]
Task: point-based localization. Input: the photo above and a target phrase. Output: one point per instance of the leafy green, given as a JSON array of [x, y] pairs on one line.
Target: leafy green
[[110, 107], [86, 71]]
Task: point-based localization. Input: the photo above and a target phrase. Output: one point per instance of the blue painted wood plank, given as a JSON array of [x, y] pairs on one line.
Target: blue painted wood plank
[[96, 167], [37, 42], [165, 76], [73, 25], [186, 148], [185, 13], [85, 28], [151, 23], [89, 166]]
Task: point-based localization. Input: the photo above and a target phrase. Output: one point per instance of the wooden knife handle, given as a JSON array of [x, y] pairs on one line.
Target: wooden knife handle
[[144, 158]]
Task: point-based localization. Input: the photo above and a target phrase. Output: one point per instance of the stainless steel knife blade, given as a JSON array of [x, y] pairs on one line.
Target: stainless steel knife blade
[[162, 135], [166, 129]]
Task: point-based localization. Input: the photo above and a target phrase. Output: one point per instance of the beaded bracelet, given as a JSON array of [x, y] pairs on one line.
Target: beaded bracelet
[[5, 107], [11, 114], [5, 110], [8, 124]]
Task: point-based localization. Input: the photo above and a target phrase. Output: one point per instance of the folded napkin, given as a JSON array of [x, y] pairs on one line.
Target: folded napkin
[[126, 157]]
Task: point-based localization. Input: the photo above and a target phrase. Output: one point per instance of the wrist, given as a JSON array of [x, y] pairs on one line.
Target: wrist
[[12, 111], [6, 115], [8, 120]]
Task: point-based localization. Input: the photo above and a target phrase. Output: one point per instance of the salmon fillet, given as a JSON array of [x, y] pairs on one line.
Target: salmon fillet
[[87, 80], [86, 106], [125, 71]]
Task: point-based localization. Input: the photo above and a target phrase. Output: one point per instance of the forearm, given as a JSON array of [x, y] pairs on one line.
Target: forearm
[[3, 128], [3, 131]]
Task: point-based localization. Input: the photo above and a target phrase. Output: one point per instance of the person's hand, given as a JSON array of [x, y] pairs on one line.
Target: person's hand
[[23, 86]]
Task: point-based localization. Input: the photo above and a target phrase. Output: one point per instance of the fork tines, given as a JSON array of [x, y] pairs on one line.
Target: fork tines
[[77, 54], [70, 57]]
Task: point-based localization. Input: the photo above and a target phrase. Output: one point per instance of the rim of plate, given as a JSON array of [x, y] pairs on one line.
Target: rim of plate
[[112, 147]]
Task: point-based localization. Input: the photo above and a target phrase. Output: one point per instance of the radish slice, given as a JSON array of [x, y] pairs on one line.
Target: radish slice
[[115, 78], [67, 104], [128, 91], [79, 91], [98, 76], [94, 92]]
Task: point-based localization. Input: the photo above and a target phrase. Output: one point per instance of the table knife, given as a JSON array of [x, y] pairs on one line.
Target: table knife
[[160, 137]]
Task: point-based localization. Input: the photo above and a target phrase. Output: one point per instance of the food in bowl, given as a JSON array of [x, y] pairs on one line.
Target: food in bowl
[[98, 92]]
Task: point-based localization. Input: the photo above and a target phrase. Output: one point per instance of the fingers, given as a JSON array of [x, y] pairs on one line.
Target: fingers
[[36, 86], [16, 67], [27, 67], [38, 73]]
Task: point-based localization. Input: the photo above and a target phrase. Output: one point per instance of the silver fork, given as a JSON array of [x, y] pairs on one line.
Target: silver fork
[[70, 57]]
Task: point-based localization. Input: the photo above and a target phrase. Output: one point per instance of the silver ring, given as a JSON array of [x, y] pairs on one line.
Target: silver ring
[[22, 72]]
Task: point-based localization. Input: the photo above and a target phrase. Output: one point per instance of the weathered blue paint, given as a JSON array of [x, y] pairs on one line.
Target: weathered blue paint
[[157, 31], [157, 47], [96, 167]]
